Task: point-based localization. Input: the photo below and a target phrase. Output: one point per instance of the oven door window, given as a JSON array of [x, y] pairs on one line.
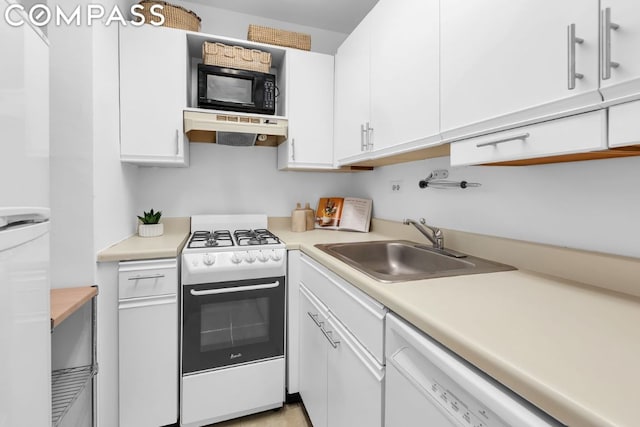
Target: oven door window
[[229, 328]]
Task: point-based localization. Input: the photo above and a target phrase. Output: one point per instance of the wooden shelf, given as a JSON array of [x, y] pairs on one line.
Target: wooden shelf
[[65, 302]]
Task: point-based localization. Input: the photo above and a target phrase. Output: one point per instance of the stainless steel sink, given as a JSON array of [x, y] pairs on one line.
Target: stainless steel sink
[[401, 260]]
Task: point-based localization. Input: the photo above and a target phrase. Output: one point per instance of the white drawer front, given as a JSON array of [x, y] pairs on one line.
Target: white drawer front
[[624, 127], [147, 278], [569, 135], [361, 314]]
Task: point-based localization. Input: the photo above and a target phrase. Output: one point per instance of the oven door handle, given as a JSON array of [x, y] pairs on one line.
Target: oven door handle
[[235, 289]]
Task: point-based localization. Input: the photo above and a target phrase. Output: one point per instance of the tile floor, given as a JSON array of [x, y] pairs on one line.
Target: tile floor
[[291, 415]]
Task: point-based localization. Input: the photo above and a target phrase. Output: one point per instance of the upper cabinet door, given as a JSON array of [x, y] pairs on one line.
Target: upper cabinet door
[[405, 91], [506, 63], [153, 95], [351, 110], [620, 26], [310, 106]]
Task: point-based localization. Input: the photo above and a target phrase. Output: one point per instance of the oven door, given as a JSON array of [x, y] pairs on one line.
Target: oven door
[[230, 323]]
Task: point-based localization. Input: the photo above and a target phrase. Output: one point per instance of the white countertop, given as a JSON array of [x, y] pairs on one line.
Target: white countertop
[[571, 349]]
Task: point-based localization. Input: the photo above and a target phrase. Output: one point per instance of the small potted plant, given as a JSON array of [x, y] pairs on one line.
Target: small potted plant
[[150, 224]]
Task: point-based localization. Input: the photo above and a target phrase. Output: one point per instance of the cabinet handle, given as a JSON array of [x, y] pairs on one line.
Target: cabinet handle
[[151, 276], [314, 317], [293, 149], [327, 334], [363, 143], [369, 137], [507, 139], [177, 142], [607, 26], [571, 54]]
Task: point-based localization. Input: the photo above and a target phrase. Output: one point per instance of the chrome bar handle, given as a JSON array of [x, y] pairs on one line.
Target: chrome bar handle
[[177, 142], [196, 293], [369, 137], [607, 26], [314, 317], [521, 137], [327, 334], [363, 144], [571, 55], [293, 149], [152, 276]]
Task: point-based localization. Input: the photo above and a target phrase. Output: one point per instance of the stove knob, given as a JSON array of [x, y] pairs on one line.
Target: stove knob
[[235, 258], [262, 257], [275, 255], [250, 258], [209, 259]]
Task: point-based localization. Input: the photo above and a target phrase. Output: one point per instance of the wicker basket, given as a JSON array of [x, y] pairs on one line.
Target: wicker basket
[[174, 16], [279, 37], [235, 57]]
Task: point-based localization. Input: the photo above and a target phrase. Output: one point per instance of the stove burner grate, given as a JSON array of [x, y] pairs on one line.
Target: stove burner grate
[[258, 236]]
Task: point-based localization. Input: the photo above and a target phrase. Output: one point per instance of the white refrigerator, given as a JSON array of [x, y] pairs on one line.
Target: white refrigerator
[[25, 331]]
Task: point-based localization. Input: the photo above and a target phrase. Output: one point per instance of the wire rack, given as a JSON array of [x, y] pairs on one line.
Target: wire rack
[[66, 386]]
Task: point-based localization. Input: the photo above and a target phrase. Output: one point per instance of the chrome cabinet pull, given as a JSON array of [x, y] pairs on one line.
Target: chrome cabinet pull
[[607, 26], [151, 276], [293, 149], [314, 317], [369, 137], [327, 334], [235, 289], [177, 142], [571, 54], [522, 137], [363, 143]]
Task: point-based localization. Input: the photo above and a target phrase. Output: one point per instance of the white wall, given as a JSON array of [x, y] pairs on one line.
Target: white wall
[[233, 24], [223, 179], [591, 205]]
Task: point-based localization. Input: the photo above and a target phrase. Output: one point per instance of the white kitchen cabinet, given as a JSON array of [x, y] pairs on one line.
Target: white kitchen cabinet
[[506, 64], [578, 134], [405, 91], [153, 94], [148, 342], [387, 82], [341, 350], [352, 93], [310, 105], [620, 45], [313, 369]]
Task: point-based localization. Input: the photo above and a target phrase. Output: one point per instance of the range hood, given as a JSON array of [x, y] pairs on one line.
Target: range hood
[[203, 127]]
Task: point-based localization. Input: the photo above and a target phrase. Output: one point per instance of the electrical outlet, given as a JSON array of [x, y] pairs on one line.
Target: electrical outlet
[[396, 186]]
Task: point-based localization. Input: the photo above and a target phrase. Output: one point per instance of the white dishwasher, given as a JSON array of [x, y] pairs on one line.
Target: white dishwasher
[[427, 385]]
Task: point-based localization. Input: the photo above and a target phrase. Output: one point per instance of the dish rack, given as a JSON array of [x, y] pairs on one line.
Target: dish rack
[[68, 383]]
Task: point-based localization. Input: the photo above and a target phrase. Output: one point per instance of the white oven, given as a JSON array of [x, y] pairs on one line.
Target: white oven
[[232, 319]]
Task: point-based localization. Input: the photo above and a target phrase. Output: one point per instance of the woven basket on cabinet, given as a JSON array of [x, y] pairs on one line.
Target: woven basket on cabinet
[[279, 37], [223, 55], [174, 16]]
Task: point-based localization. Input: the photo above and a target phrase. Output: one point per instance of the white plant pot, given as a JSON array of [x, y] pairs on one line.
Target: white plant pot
[[150, 230]]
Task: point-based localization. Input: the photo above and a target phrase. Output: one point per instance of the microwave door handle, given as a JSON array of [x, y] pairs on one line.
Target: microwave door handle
[[235, 289]]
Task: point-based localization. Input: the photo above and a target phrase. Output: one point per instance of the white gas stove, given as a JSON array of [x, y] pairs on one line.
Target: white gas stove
[[231, 247], [232, 319]]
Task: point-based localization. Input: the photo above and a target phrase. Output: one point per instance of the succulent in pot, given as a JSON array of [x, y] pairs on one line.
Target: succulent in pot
[[150, 224]]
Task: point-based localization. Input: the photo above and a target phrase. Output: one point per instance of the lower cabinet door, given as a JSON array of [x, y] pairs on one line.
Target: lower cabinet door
[[354, 381], [313, 359], [148, 360]]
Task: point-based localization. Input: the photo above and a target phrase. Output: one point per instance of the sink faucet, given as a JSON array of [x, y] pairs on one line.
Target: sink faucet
[[435, 237]]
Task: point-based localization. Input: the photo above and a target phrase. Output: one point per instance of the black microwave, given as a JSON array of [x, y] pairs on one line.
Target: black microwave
[[229, 89]]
